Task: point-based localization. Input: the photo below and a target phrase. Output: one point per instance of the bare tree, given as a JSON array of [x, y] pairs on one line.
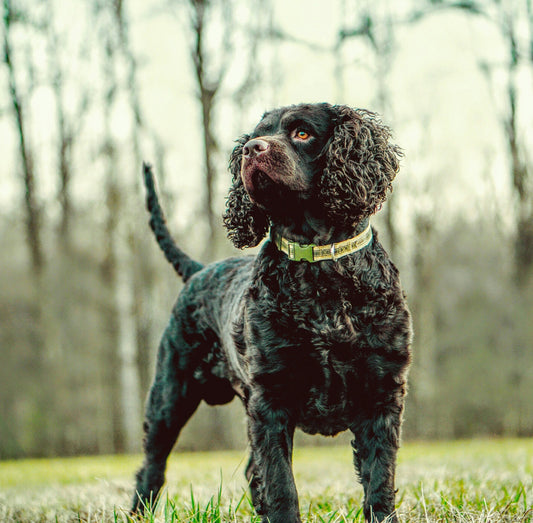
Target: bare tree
[[44, 342], [118, 266], [145, 288], [521, 170], [507, 17], [211, 61], [425, 370], [32, 210], [69, 126], [132, 87], [208, 84]]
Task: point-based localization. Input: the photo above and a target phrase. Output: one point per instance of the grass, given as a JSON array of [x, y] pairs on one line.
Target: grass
[[463, 482]]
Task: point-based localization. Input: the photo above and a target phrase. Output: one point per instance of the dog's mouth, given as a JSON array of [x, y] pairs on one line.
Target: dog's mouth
[[270, 187], [259, 185], [257, 182]]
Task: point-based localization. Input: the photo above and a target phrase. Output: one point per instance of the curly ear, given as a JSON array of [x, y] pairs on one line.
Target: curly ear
[[360, 166], [246, 223]]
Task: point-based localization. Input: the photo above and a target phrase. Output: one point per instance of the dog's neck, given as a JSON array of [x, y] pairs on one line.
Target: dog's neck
[[316, 231]]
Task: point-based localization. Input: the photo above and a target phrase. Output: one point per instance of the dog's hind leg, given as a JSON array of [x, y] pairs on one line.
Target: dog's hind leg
[[173, 398]]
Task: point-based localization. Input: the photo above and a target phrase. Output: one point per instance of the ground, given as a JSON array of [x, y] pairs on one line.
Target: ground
[[465, 482]]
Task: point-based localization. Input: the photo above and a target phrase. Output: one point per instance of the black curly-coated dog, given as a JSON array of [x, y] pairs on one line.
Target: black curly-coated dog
[[313, 332]]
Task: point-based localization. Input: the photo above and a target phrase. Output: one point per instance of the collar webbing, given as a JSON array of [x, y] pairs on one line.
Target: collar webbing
[[314, 253]]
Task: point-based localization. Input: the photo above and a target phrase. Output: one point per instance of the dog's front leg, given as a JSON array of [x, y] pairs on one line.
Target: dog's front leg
[[271, 434], [375, 447]]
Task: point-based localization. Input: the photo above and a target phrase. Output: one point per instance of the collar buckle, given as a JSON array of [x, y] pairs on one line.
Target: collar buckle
[[297, 252]]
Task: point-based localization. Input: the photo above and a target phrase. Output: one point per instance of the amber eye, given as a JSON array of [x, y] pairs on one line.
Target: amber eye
[[302, 135]]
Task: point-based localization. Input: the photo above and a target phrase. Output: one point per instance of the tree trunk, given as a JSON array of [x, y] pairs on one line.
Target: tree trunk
[[523, 245], [519, 169], [140, 246], [124, 389], [425, 369], [33, 225], [110, 434], [206, 95], [44, 322], [130, 396]]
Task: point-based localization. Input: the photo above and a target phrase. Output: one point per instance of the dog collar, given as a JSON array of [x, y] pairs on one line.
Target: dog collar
[[314, 253]]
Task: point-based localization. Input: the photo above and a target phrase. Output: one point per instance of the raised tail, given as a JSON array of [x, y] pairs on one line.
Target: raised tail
[[183, 264]]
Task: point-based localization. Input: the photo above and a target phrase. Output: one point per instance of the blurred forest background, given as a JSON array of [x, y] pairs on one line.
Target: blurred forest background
[[90, 88]]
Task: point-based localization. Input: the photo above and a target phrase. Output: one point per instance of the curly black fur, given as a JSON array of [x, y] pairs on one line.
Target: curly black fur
[[321, 346], [245, 222]]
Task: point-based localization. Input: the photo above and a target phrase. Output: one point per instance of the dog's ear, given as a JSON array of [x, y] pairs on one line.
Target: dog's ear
[[360, 166], [246, 223]]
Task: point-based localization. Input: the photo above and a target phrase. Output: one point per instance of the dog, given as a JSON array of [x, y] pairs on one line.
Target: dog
[[313, 332]]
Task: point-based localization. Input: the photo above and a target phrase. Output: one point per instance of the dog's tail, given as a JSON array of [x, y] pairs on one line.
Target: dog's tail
[[183, 264]]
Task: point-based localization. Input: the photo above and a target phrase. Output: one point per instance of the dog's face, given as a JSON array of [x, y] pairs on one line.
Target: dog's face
[[327, 164], [284, 155]]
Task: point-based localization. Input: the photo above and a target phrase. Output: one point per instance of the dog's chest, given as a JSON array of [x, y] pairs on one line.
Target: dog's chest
[[326, 344], [334, 384], [333, 348]]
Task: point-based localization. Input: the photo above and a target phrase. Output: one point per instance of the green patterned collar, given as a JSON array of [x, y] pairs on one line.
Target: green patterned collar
[[314, 253]]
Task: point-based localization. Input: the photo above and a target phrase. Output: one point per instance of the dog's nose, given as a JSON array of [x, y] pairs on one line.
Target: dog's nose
[[254, 148]]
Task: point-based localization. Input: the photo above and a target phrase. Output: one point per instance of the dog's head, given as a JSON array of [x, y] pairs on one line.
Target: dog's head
[[330, 164]]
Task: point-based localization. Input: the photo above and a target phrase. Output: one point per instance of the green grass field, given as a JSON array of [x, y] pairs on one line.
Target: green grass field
[[464, 482]]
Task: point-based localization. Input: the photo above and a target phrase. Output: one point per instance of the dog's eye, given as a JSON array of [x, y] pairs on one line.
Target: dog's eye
[[301, 134]]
